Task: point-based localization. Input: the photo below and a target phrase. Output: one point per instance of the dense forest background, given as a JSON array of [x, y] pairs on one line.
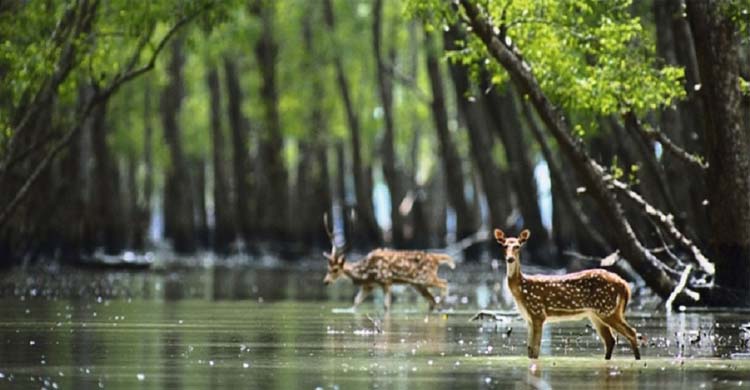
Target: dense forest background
[[611, 129]]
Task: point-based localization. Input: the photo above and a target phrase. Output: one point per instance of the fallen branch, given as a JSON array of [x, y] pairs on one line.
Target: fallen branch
[[667, 222]]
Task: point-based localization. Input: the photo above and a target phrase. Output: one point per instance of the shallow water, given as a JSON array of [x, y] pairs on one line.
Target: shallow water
[[280, 328]]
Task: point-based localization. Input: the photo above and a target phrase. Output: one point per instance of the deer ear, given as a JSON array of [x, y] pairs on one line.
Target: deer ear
[[525, 234], [500, 236]]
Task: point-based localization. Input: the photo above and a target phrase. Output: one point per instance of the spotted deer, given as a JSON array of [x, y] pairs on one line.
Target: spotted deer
[[596, 294], [386, 267]]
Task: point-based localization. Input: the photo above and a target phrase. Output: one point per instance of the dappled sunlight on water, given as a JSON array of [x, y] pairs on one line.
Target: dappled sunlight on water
[[278, 328]]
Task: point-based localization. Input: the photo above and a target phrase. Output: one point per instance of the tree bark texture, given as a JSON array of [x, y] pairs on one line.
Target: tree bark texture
[[178, 200], [455, 182], [274, 195], [728, 176], [367, 225], [388, 153], [241, 169], [223, 232], [649, 267]]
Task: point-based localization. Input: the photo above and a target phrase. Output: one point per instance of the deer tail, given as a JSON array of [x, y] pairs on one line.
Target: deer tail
[[446, 259], [624, 298]]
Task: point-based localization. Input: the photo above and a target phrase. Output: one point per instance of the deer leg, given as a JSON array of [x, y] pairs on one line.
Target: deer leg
[[605, 333], [364, 291], [621, 326], [427, 295], [535, 338], [387, 297]]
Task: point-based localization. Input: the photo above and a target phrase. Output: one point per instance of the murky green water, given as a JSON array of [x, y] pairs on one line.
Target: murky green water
[[279, 328]]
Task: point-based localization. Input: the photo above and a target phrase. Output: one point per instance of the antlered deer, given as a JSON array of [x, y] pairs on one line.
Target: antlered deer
[[597, 294], [386, 267]]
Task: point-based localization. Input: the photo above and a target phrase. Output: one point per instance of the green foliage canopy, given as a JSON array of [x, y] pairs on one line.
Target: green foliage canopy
[[590, 57]]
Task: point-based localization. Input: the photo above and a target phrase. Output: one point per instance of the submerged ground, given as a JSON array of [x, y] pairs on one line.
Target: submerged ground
[[280, 328]]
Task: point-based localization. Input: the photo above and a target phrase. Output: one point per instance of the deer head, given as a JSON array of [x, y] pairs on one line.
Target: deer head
[[512, 245], [336, 258]]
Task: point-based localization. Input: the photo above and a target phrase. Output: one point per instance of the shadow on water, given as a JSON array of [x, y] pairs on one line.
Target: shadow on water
[[280, 328]]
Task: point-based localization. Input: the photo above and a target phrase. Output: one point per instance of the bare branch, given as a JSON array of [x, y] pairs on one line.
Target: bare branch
[[668, 144], [131, 73], [680, 287], [667, 222]]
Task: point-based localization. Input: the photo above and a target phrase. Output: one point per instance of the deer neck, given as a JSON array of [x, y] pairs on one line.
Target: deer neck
[[514, 274], [352, 271]]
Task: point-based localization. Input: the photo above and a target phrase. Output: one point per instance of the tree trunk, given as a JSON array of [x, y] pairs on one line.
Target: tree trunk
[[178, 202], [148, 179], [223, 224], [273, 197], [482, 143], [367, 225], [198, 170], [671, 121], [388, 154], [315, 199], [241, 155], [341, 173], [648, 266], [501, 108], [75, 212], [454, 177], [563, 194], [728, 176], [135, 228], [107, 217]]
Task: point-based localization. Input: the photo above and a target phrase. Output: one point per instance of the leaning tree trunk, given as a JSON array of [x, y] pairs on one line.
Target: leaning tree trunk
[[648, 266], [363, 192], [275, 221], [454, 177], [240, 153], [728, 176], [388, 154], [178, 202], [223, 225]]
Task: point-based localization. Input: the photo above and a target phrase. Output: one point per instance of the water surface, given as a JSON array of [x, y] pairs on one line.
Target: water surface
[[279, 328]]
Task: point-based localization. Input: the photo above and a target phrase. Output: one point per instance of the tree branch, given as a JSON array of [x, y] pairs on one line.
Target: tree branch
[[93, 102], [680, 287], [406, 81], [667, 222], [668, 144], [645, 263]]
